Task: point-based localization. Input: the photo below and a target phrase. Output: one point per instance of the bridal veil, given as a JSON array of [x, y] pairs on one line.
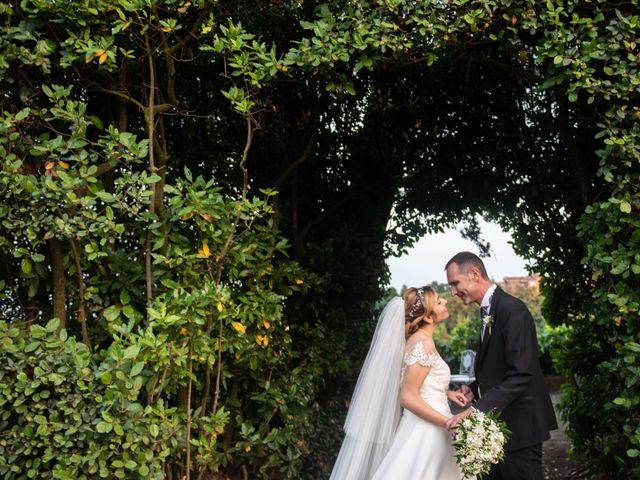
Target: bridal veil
[[375, 410]]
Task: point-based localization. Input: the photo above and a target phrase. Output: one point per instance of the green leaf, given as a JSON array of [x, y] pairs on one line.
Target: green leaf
[[22, 114], [106, 378], [104, 427], [52, 325], [33, 287], [137, 368], [143, 471], [26, 266], [129, 311], [625, 207], [111, 313], [132, 351], [124, 297], [105, 196], [31, 346], [96, 121]]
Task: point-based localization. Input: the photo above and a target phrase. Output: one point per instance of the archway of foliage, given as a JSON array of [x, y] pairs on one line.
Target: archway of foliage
[[142, 142]]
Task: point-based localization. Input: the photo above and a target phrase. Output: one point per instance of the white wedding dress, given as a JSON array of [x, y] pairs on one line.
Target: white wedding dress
[[420, 449]]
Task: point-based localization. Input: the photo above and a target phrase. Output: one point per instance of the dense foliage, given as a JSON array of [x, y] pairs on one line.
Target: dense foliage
[[68, 414], [142, 143]]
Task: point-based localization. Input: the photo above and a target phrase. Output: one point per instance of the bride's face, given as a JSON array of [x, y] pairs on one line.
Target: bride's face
[[440, 311]]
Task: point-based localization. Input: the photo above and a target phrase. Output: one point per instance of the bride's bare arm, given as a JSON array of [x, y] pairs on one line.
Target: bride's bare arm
[[410, 396]]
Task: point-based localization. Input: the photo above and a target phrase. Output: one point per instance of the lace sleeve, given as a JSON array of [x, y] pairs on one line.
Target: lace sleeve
[[417, 355]]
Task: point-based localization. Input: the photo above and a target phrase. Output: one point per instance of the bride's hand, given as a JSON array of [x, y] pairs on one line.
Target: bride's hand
[[457, 397], [453, 422]]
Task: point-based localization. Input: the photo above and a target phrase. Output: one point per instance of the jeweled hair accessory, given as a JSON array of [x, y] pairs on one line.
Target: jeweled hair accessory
[[416, 306]]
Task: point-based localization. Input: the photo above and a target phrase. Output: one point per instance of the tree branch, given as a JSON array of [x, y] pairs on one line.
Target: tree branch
[[82, 312], [302, 158]]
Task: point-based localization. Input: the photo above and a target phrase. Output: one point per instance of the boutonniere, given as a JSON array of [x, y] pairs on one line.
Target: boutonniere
[[487, 321]]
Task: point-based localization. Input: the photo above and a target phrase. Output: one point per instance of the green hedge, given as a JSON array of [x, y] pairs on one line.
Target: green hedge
[[60, 420]]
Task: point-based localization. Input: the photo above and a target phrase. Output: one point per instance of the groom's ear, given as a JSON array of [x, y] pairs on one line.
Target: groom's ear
[[474, 273]]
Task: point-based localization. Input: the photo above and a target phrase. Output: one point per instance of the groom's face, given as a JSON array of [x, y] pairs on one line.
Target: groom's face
[[463, 284]]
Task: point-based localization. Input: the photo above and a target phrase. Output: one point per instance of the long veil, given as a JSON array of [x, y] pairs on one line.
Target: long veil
[[375, 410]]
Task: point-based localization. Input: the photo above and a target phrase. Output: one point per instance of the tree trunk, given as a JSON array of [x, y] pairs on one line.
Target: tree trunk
[[57, 280]]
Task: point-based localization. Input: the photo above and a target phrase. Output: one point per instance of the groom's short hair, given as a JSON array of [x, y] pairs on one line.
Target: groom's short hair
[[466, 260]]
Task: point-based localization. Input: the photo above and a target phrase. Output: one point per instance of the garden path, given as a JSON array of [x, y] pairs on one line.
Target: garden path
[[556, 462]]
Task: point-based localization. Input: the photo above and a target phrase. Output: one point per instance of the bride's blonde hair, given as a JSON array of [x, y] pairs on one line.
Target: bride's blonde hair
[[418, 304]]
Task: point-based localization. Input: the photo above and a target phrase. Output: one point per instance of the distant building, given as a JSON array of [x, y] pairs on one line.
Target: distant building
[[515, 285]]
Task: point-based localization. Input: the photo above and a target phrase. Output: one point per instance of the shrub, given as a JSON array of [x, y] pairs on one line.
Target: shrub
[[66, 414], [464, 336], [550, 341]]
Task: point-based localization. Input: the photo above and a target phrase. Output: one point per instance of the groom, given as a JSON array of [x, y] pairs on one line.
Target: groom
[[508, 375]]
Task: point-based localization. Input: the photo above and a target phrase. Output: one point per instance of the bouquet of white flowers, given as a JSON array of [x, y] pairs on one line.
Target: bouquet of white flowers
[[479, 442]]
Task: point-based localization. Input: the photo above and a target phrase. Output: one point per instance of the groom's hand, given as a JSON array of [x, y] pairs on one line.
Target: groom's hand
[[466, 391], [457, 397]]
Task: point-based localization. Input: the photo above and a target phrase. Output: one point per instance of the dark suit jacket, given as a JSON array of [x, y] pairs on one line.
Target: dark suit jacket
[[509, 376]]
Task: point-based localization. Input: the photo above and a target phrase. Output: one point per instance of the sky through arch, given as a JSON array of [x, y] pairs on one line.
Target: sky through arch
[[424, 262]]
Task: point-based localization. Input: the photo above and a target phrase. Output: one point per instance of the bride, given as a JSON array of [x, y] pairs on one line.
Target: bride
[[402, 369]]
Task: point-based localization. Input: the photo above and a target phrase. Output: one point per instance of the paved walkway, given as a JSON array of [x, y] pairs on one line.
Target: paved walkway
[[556, 462]]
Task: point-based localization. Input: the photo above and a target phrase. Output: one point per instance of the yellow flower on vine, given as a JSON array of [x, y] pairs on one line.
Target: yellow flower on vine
[[239, 327], [204, 251]]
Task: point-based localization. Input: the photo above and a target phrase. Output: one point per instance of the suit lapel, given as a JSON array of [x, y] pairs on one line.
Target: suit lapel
[[484, 343]]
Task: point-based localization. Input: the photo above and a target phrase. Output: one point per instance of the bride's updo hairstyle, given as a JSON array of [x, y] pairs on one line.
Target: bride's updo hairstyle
[[418, 304]]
